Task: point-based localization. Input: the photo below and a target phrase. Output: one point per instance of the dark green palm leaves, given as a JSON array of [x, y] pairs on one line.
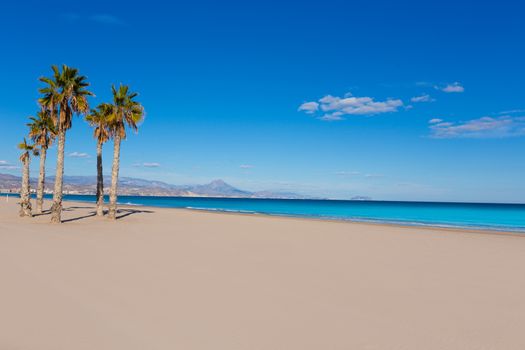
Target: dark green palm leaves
[[99, 120], [26, 149], [124, 111], [42, 129], [65, 91]]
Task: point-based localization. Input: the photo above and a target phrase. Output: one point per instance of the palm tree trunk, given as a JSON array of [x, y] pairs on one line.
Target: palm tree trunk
[[114, 179], [100, 182], [25, 203], [41, 181], [56, 209]]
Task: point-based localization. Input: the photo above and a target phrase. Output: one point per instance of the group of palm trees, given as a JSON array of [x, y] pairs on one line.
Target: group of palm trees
[[63, 96]]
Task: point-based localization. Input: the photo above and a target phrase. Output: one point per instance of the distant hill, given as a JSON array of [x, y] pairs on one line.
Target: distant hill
[[9, 181], [142, 187], [217, 188]]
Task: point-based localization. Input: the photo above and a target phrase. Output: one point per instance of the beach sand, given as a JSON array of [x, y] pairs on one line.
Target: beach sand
[[179, 279]]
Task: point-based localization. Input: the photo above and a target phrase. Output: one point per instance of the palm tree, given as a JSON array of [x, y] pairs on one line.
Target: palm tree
[[67, 91], [98, 118], [25, 158], [42, 133], [124, 112]]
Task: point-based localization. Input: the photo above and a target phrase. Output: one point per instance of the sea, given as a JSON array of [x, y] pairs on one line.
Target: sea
[[480, 216]]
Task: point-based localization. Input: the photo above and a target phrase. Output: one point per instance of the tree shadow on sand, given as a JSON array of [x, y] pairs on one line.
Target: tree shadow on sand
[[71, 208], [92, 213], [128, 212], [48, 211], [121, 213], [44, 212]]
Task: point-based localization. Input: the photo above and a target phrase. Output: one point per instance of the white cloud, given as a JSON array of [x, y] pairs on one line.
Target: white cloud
[[336, 108], [454, 87], [374, 175], [309, 107], [357, 173], [422, 98], [358, 105], [246, 166], [78, 155], [435, 120], [147, 165], [347, 173], [5, 165], [151, 165], [512, 111], [485, 127], [330, 117]]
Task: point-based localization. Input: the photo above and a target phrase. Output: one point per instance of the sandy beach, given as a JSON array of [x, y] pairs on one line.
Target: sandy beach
[[178, 279]]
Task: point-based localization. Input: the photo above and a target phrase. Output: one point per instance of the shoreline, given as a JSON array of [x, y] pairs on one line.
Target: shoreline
[[356, 222], [386, 224], [33, 193]]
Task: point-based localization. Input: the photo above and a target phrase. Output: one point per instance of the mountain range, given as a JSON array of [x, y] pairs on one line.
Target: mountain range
[[142, 187]]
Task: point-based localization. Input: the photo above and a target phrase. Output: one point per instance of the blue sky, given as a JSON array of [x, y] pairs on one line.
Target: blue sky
[[405, 100]]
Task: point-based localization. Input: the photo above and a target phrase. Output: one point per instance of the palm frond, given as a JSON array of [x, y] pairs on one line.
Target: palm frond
[[64, 95], [125, 111]]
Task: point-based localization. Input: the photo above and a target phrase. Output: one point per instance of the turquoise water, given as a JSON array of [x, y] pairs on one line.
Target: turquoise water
[[508, 217]]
